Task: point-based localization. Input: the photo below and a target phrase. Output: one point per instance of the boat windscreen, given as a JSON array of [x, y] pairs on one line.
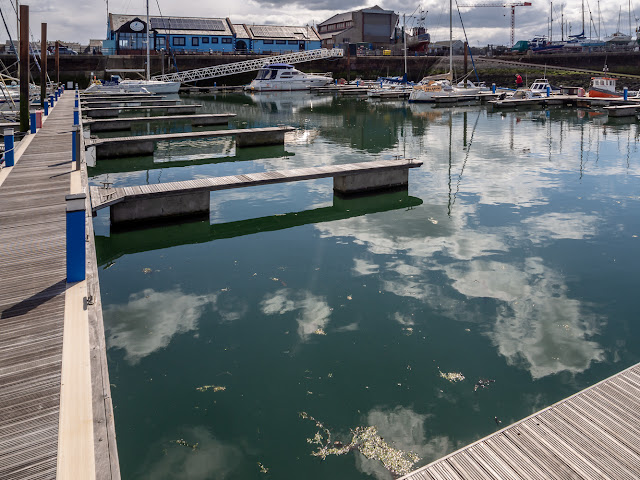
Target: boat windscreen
[[262, 74]]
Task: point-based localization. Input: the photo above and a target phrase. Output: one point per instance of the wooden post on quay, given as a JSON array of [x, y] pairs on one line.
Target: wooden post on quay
[[57, 62], [24, 68], [43, 70]]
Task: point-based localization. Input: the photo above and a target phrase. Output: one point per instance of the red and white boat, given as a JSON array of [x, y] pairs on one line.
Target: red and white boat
[[603, 87]]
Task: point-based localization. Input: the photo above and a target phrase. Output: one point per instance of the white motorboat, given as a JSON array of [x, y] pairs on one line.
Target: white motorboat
[[133, 86], [284, 77]]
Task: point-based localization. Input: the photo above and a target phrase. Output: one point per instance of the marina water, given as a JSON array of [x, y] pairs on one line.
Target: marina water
[[502, 281]]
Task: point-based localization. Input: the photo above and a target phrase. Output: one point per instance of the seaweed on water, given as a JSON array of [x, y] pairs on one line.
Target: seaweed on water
[[368, 442]]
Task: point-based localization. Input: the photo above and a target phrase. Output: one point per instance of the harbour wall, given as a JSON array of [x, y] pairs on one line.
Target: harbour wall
[[81, 68]]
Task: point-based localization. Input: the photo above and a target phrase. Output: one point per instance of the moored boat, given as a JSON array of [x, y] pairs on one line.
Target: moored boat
[[603, 87], [284, 77]]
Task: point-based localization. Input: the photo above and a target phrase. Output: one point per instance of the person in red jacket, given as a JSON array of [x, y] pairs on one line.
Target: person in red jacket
[[518, 81]]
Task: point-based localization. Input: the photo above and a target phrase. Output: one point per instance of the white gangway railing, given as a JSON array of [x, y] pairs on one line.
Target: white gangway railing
[[248, 65]]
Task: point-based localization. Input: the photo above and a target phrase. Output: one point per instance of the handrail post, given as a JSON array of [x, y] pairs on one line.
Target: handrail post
[[76, 146], [76, 247], [9, 156]]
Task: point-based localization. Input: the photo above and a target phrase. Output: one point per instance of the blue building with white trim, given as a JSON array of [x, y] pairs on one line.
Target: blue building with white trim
[[126, 35]]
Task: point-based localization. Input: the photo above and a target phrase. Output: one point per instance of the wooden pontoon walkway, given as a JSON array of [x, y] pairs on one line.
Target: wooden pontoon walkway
[[592, 434], [105, 197], [33, 279], [32, 304]]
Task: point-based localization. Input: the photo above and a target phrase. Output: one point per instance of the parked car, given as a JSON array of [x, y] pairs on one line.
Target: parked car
[[64, 50]]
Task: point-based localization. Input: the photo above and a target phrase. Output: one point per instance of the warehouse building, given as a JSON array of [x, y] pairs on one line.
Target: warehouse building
[[372, 25]]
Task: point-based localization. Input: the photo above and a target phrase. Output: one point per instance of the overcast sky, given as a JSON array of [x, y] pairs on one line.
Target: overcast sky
[[80, 20]]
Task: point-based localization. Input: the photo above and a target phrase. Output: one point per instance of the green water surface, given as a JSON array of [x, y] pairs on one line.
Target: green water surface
[[513, 257]]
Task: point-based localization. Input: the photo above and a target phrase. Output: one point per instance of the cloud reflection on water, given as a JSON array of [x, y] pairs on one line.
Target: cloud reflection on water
[[210, 459], [150, 319], [314, 312], [537, 326]]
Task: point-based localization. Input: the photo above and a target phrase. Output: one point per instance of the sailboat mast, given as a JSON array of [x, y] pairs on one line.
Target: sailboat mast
[[630, 31], [404, 32], [451, 37], [148, 53], [582, 17]]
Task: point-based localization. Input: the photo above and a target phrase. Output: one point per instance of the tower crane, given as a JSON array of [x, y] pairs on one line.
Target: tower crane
[[511, 5]]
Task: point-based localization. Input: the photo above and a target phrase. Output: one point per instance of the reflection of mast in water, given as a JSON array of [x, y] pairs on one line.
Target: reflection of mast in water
[[581, 149], [452, 197], [449, 182]]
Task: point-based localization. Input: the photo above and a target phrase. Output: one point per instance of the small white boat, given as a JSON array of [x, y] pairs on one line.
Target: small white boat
[[284, 77]]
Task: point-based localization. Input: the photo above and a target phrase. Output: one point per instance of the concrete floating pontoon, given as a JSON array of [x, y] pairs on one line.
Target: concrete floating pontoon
[[111, 112], [128, 102], [115, 124], [145, 202], [145, 144], [118, 96], [622, 110]]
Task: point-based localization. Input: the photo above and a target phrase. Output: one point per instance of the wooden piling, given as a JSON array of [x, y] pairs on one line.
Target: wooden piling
[[24, 68], [57, 62], [43, 71]]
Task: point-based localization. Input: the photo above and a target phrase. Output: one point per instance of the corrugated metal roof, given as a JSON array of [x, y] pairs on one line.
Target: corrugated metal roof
[[340, 17]]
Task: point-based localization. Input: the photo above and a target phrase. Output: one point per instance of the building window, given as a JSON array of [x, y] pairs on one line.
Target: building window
[[323, 28], [195, 41], [267, 42], [179, 41], [205, 39], [226, 40], [293, 42], [346, 40], [214, 39], [281, 42], [160, 42]]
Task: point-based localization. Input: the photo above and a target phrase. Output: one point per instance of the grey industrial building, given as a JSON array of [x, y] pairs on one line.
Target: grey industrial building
[[373, 25]]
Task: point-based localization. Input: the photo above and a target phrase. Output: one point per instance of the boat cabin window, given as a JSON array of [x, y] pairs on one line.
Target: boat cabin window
[[262, 74], [286, 75], [274, 74]]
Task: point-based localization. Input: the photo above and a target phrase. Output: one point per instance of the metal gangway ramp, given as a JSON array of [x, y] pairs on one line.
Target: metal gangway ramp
[[248, 65]]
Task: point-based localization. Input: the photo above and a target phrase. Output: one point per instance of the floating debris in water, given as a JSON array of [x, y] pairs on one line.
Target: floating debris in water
[[225, 289], [367, 441], [349, 297], [433, 220], [497, 420], [482, 383], [146, 270], [453, 377], [319, 331], [262, 468], [275, 279], [184, 443], [215, 388]]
